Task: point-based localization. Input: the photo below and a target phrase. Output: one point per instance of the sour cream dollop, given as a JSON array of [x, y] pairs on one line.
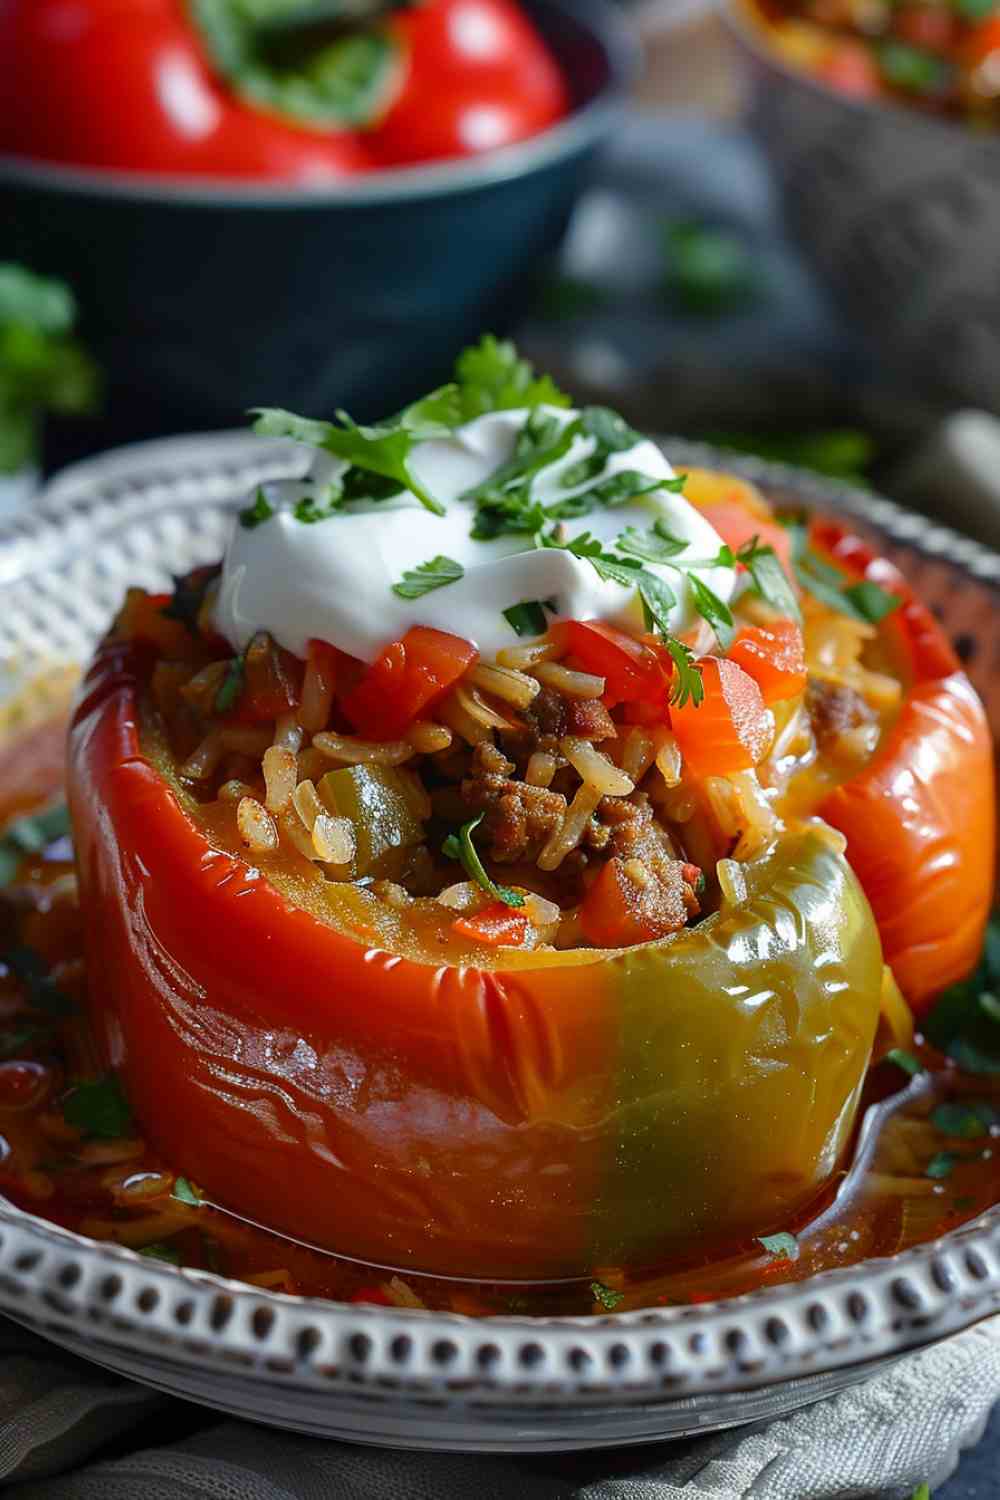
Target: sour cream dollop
[[333, 580]]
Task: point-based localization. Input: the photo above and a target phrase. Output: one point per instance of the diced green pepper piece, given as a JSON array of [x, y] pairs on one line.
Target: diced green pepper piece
[[380, 803]]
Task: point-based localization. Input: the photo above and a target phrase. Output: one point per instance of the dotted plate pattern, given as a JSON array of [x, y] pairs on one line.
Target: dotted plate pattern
[[413, 1378]]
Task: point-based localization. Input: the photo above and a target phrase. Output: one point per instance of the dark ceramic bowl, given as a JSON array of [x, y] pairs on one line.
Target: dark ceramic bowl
[[899, 212], [204, 298]]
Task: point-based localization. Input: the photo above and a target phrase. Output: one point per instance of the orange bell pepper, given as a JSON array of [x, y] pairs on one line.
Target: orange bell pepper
[[920, 818]]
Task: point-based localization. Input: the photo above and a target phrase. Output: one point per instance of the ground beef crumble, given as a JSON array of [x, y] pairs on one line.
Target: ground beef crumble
[[519, 818], [834, 708]]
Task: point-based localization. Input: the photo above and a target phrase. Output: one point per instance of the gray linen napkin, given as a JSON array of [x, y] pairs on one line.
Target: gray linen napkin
[[875, 1441]]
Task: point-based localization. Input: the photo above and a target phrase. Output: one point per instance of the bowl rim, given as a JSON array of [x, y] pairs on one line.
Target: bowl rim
[[656, 1359], [743, 19], [582, 127]]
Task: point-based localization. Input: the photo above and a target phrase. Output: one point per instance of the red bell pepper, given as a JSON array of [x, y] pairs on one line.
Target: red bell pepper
[[157, 86], [408, 678], [632, 669]]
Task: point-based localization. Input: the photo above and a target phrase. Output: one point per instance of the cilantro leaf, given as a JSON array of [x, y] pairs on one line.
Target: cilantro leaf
[[687, 685], [904, 1060], [611, 433], [98, 1107], [966, 1120], [463, 849], [543, 440], [965, 1021], [617, 489], [713, 609], [872, 602], [231, 689], [382, 450], [313, 508], [427, 576], [865, 601], [528, 617], [658, 545], [607, 1296], [658, 599], [185, 1192], [256, 514], [491, 376], [783, 1246], [769, 578]]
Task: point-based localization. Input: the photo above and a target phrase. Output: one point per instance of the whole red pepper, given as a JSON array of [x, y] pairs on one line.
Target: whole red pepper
[[138, 85]]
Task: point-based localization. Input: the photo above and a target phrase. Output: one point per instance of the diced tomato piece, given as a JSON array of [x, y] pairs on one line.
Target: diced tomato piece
[[142, 619], [775, 658], [730, 729], [407, 678], [617, 911], [978, 45], [736, 525], [850, 68], [631, 668], [272, 682], [499, 925], [375, 1294]]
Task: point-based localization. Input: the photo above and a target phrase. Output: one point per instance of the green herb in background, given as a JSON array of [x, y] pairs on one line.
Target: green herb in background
[[98, 1107], [563, 297], [840, 452], [42, 368], [965, 1022], [607, 1296], [912, 69], [159, 1251], [709, 271]]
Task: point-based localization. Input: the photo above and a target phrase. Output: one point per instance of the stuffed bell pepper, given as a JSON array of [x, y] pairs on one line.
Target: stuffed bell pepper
[[509, 860]]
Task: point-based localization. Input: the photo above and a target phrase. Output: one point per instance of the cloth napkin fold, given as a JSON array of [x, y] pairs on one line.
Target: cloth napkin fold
[[72, 1431]]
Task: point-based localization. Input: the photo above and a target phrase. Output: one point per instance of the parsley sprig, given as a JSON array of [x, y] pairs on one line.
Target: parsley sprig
[[463, 849], [427, 576]]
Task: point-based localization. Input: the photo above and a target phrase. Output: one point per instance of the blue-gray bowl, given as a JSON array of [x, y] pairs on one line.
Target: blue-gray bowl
[[202, 299], [898, 211]]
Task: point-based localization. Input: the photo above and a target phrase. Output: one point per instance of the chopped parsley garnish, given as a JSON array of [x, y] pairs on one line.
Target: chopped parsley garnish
[[98, 1107], [965, 1119], [43, 993], [502, 499], [463, 849], [783, 1246], [769, 578], [491, 376], [617, 489], [185, 1192], [160, 1251], [256, 514], [383, 450], [713, 609], [607, 1296], [528, 617], [657, 545], [427, 576], [609, 431], [871, 601], [905, 1060], [965, 1022], [311, 509], [231, 689], [942, 1165], [30, 836]]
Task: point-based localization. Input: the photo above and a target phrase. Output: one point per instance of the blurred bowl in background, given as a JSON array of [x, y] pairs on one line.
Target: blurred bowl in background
[[204, 299], [898, 211]]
